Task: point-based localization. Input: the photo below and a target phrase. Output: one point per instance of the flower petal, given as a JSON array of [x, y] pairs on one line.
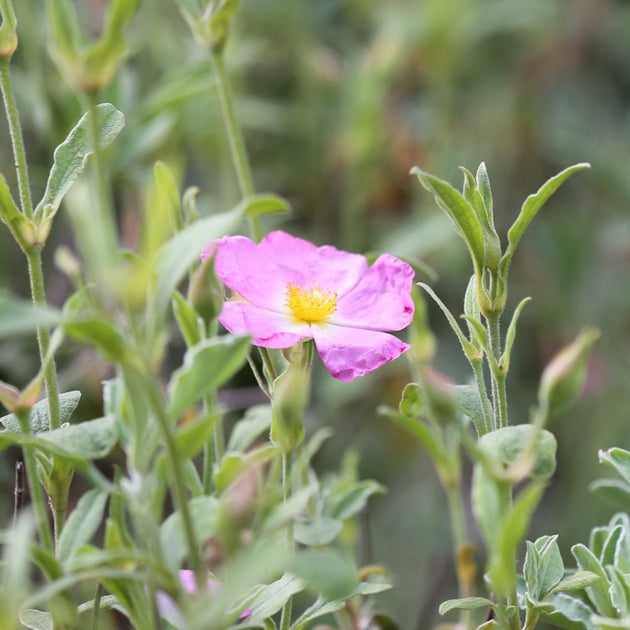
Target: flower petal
[[240, 265], [351, 352], [299, 261], [269, 329], [381, 300]]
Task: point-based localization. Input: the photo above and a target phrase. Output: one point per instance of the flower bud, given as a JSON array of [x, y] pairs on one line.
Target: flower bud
[[291, 396], [8, 29], [564, 376], [205, 292]]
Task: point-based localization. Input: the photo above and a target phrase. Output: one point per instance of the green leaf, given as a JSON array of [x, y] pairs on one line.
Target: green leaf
[[619, 459], [36, 619], [186, 318], [271, 598], [318, 609], [103, 57], [483, 186], [192, 435], [619, 590], [412, 403], [464, 603], [204, 512], [506, 445], [354, 499], [511, 334], [289, 509], [18, 317], [598, 592], [99, 334], [82, 524], [316, 531], [87, 440], [326, 571], [473, 197], [39, 415], [233, 464], [176, 256], [21, 228], [64, 30], [417, 428], [530, 208], [206, 367], [470, 350], [612, 546], [570, 612], [463, 216], [71, 155], [246, 431], [543, 567], [551, 568], [469, 401], [263, 204], [577, 581]]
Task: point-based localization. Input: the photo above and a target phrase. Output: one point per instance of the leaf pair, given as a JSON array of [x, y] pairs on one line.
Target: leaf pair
[[91, 67], [472, 214], [69, 160]]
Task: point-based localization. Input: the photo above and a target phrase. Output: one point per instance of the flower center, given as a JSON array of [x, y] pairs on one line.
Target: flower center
[[310, 305]]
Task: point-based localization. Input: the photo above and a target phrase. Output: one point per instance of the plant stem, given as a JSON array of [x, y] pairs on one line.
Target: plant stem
[[241, 164], [464, 566], [285, 618], [179, 490], [38, 293], [97, 605], [15, 131], [235, 138], [34, 488], [36, 275], [477, 367], [499, 396]]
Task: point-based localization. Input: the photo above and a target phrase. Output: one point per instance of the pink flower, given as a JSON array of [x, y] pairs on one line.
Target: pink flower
[[289, 290]]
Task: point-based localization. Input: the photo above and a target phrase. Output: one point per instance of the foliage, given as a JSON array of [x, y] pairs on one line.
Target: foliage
[[142, 156]]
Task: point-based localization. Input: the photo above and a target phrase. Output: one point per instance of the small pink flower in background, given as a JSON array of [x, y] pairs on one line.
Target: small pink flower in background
[[170, 611], [289, 290]]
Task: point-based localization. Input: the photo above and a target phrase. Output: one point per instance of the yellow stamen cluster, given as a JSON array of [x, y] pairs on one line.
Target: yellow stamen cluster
[[310, 305]]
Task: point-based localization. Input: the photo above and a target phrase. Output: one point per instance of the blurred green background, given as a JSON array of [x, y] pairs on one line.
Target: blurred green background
[[338, 99]]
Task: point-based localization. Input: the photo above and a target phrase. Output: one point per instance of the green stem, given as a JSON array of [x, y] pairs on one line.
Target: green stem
[[15, 131], [511, 598], [35, 490], [235, 137], [285, 618], [477, 367], [36, 277], [97, 605], [499, 396], [465, 570], [179, 489], [531, 619], [241, 164], [38, 293]]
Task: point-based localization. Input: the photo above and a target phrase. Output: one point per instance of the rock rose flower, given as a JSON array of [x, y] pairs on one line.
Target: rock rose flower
[[288, 290]]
